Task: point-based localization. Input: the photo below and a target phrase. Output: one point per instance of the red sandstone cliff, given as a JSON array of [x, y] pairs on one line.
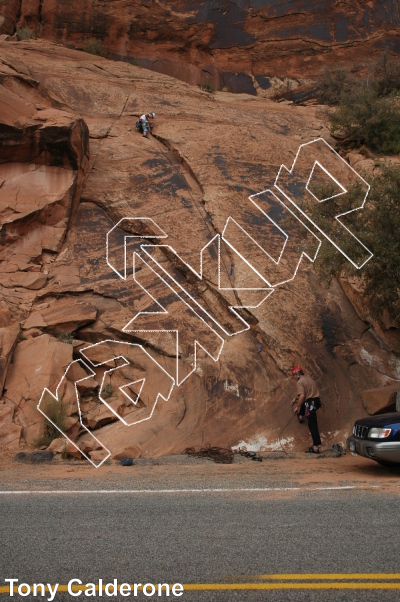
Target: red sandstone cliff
[[242, 45], [60, 295]]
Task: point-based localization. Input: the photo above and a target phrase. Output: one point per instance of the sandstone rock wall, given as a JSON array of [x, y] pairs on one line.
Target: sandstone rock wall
[[198, 168], [244, 46], [43, 159]]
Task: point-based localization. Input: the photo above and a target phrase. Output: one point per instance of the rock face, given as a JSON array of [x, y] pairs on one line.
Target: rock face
[[378, 401], [244, 46], [43, 158], [36, 365], [69, 283], [9, 332]]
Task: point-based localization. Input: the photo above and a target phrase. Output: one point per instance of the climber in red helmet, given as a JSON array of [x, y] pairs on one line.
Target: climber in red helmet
[[306, 404]]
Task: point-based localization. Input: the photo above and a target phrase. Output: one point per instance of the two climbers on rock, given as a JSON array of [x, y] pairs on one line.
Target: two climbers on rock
[[143, 123], [306, 403]]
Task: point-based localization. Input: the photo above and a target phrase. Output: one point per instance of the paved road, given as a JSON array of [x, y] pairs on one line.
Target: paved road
[[201, 538]]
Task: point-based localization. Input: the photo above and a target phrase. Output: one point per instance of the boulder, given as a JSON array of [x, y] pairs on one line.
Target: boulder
[[379, 401], [37, 363], [384, 327], [61, 445], [70, 423], [98, 456], [366, 165], [63, 315], [88, 387], [32, 333], [72, 451], [101, 414], [58, 446], [354, 158], [29, 280], [88, 444], [131, 452]]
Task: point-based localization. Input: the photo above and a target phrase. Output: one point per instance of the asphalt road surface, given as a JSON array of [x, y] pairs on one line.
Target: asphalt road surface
[[243, 539]]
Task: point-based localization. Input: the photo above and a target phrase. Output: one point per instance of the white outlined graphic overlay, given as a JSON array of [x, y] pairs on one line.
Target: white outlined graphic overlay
[[269, 242], [295, 184], [67, 393]]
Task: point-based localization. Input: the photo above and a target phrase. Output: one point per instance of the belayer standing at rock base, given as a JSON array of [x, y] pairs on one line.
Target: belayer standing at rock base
[[307, 403], [143, 124]]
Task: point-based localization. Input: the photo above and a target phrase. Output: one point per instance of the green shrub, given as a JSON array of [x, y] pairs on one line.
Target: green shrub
[[377, 225], [363, 117], [64, 454], [368, 107], [207, 88], [24, 33], [57, 412], [107, 391], [95, 46], [65, 337], [333, 84], [386, 75], [383, 77]]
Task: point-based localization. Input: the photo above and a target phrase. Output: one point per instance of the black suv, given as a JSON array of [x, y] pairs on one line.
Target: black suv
[[377, 438]]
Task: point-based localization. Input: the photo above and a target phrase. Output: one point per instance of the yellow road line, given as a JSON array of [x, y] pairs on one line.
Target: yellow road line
[[282, 586], [335, 576], [275, 586]]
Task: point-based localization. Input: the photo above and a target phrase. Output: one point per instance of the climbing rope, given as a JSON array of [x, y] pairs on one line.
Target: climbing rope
[[220, 455]]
